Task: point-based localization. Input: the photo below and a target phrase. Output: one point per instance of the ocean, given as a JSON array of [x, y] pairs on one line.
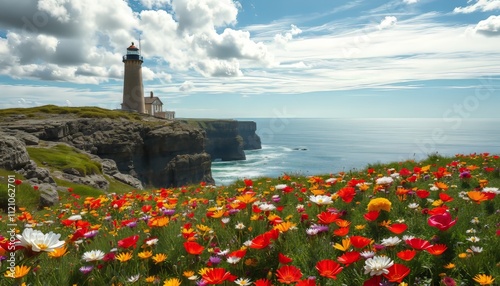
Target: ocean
[[324, 146]]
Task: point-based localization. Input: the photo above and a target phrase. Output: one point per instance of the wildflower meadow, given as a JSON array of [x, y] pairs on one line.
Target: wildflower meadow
[[434, 222]]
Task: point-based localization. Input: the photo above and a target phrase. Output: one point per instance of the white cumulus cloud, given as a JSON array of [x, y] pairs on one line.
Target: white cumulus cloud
[[387, 22], [489, 27], [282, 39], [480, 5]]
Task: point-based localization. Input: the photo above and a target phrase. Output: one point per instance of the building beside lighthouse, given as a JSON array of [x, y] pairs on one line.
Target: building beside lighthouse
[[133, 89]]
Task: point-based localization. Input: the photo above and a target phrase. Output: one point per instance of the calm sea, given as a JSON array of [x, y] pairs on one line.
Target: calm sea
[[323, 146]]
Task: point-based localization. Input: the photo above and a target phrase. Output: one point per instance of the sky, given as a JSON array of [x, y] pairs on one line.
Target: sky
[[258, 58]]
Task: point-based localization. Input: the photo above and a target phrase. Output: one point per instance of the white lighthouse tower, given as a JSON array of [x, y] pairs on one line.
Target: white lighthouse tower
[[133, 90]]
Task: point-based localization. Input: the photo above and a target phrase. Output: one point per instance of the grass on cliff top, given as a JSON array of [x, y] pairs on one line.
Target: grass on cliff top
[[83, 112], [204, 124], [63, 157]]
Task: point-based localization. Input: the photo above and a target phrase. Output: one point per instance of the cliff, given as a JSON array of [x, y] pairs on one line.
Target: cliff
[[158, 152], [247, 131], [227, 139]]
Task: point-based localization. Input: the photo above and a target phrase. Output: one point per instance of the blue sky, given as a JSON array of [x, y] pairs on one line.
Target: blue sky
[[258, 58]]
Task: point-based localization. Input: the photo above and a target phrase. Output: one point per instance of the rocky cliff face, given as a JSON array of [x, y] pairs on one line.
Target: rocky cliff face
[[223, 141], [158, 153], [247, 129]]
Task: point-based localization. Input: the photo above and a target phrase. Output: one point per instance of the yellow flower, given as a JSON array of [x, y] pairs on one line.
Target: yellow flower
[[346, 244], [124, 256], [172, 282], [203, 228], [150, 279], [462, 255], [58, 252], [378, 204], [484, 279], [19, 271], [188, 273], [360, 226], [285, 226], [159, 258], [145, 254], [437, 203], [449, 266]]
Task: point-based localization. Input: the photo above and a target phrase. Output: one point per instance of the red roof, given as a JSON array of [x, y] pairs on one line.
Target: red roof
[[132, 47]]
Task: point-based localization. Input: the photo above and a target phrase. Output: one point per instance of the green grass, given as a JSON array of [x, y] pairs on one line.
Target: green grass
[[83, 112], [25, 195], [195, 205], [63, 157]]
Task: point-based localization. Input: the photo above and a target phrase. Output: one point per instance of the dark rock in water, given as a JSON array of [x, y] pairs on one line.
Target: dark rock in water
[[247, 129], [13, 154], [300, 149]]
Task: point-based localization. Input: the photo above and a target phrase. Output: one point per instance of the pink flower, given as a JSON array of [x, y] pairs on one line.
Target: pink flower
[[441, 221]]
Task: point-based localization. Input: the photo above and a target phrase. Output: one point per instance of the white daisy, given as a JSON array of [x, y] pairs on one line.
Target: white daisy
[[93, 255], [378, 265], [321, 199], [384, 181], [38, 241], [391, 241]]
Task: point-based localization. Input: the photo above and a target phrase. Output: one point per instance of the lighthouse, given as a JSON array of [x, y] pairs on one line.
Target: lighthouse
[[133, 90]]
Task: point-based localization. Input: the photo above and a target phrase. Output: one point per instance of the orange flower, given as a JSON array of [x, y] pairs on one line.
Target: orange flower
[[437, 249], [441, 186], [192, 247], [288, 274], [407, 255], [328, 268], [216, 275], [477, 196]]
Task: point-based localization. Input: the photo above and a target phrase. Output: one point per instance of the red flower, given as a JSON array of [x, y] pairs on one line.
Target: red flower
[[397, 272], [422, 194], [347, 194], [216, 276], [328, 268], [262, 282], [146, 208], [418, 243], [327, 217], [238, 253], [288, 274], [360, 241], [283, 259], [18, 182], [371, 216], [311, 281], [128, 242], [260, 241], [438, 210], [437, 249], [248, 182], [397, 228], [404, 172], [406, 255], [441, 221], [341, 231], [192, 247], [374, 281], [445, 198], [349, 258]]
